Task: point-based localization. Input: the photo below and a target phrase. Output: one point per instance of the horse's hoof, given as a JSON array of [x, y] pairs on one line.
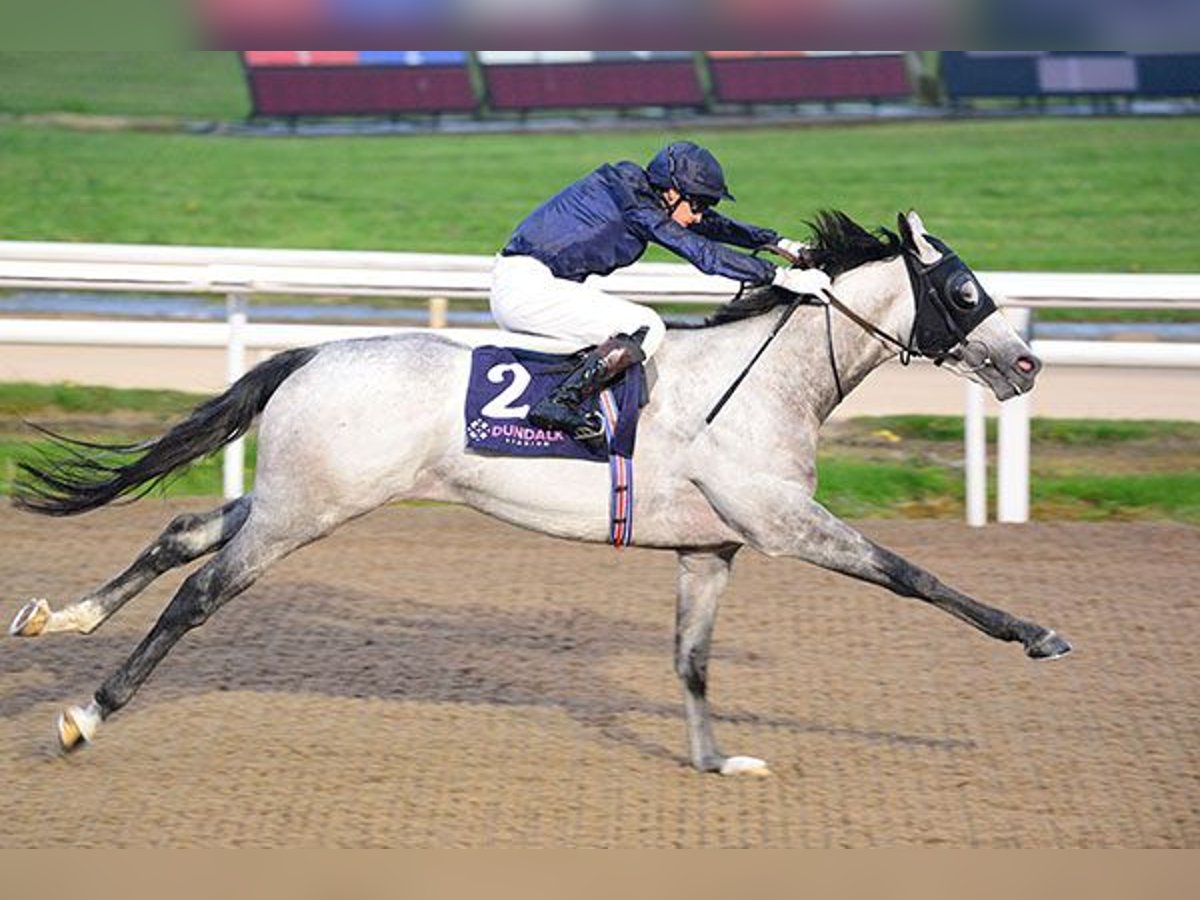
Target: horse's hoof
[[31, 619], [744, 765], [1050, 646], [76, 726]]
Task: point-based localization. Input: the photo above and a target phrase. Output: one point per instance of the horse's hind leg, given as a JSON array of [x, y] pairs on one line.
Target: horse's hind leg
[[205, 591], [188, 537], [702, 579]]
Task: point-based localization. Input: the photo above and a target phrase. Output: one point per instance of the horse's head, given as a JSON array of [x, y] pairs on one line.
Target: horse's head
[[956, 323]]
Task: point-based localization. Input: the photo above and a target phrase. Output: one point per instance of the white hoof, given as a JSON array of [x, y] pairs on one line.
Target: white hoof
[[744, 765], [77, 724], [31, 619]]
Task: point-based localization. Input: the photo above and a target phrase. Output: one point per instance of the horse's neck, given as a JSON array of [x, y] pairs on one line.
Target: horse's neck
[[794, 387], [879, 294]]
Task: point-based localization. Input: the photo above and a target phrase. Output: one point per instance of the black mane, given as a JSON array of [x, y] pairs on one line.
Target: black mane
[[838, 244]]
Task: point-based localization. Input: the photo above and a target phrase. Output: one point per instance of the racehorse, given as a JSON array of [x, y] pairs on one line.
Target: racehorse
[[350, 425]]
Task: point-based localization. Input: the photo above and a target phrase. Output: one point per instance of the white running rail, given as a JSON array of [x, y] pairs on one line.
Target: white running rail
[[237, 273]]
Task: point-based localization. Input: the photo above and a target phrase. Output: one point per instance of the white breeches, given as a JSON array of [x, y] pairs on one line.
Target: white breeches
[[526, 297]]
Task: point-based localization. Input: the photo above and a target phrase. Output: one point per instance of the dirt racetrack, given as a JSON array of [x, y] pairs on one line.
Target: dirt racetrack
[[418, 680]]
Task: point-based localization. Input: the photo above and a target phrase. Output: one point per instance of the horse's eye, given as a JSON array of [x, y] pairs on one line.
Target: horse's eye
[[968, 293]]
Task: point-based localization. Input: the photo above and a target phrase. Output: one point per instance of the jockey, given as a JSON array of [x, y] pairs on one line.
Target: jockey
[[601, 223]]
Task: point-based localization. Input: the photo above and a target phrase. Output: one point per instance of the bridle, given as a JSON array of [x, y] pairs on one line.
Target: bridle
[[941, 323]]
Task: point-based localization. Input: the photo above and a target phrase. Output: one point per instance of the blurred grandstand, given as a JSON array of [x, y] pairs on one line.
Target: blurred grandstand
[[364, 90]]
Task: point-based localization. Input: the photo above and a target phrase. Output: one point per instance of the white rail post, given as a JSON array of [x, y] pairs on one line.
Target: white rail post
[[438, 307], [1012, 446], [975, 449], [235, 366]]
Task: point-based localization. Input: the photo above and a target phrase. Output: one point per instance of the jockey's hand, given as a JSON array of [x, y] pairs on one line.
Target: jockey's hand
[[797, 253], [795, 248], [802, 281]]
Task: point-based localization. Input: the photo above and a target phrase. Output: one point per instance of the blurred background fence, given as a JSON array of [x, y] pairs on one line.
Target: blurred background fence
[[296, 83]]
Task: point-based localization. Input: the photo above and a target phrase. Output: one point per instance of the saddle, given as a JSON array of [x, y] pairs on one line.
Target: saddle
[[507, 382]]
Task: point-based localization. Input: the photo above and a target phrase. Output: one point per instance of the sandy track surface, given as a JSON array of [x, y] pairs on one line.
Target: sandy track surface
[[418, 681]]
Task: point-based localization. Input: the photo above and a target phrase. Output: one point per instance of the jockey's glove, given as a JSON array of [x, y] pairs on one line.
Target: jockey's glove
[[793, 247], [802, 281]]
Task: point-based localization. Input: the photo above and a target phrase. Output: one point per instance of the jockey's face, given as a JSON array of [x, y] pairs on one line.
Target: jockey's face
[[681, 210]]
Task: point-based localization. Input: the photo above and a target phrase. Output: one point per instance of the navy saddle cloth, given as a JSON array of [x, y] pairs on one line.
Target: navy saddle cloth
[[505, 384]]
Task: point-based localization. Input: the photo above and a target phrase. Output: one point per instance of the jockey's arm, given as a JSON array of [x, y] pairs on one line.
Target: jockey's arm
[[707, 255], [717, 227], [742, 234]]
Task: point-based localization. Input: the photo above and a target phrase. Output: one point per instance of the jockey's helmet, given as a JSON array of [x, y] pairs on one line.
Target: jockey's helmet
[[691, 170]]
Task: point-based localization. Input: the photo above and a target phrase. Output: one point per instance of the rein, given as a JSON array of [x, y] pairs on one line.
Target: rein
[[924, 293], [796, 303], [830, 302], [907, 351]]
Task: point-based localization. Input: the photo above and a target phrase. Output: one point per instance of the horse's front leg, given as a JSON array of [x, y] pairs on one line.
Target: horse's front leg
[[702, 579], [780, 518]]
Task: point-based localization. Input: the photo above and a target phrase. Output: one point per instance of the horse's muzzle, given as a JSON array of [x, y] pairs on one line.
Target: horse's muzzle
[[1023, 372]]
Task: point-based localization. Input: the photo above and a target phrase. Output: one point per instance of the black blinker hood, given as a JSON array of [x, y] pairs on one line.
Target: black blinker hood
[[941, 323]]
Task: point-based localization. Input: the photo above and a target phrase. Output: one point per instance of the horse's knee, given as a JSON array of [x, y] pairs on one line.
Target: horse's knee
[[691, 665]]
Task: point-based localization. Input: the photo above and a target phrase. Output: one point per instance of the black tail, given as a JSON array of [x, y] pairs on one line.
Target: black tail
[[92, 475]]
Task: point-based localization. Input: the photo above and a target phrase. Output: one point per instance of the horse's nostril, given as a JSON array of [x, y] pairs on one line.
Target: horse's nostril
[[1028, 364]]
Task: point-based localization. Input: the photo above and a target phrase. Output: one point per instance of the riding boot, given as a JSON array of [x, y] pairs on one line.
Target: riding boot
[[561, 410]]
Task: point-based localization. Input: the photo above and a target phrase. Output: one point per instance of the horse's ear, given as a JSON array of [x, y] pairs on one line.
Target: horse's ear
[[912, 232]]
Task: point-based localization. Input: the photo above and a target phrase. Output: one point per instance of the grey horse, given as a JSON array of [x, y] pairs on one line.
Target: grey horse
[[717, 470]]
